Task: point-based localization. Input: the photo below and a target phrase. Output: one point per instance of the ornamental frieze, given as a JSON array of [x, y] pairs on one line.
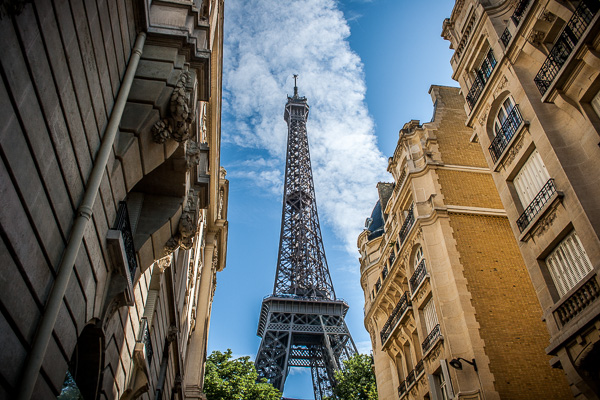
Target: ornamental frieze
[[177, 125]]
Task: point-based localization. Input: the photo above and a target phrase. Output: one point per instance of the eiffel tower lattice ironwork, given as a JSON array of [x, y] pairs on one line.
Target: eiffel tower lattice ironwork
[[302, 323]]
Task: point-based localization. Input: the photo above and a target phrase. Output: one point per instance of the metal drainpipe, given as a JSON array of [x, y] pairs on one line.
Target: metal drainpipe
[[84, 214]]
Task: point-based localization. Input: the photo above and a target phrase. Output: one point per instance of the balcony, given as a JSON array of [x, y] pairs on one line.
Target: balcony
[[505, 38], [411, 378], [123, 225], [536, 205], [520, 11], [505, 134], [409, 221], [418, 277], [431, 339], [566, 42], [145, 340], [578, 301], [482, 77], [397, 313]]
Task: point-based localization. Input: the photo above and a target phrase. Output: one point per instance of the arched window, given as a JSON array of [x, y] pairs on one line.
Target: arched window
[[418, 258], [504, 113]]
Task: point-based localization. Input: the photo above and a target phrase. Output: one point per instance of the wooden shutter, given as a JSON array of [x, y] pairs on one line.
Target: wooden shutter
[[531, 178], [568, 263], [430, 316]]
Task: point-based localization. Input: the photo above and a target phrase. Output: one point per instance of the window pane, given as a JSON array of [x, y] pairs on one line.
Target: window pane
[[568, 264]]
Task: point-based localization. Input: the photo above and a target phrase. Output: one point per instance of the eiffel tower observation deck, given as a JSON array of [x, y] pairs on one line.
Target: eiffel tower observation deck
[[302, 323]]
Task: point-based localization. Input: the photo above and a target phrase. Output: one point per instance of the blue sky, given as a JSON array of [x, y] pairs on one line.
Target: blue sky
[[366, 68]]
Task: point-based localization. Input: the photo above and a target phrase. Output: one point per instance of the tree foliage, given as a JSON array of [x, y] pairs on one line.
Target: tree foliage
[[227, 379], [357, 380]]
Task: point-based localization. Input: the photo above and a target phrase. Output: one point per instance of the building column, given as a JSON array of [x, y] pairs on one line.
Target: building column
[[194, 378]]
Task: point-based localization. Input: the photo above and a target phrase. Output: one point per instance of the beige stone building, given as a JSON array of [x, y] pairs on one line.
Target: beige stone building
[[448, 303], [113, 200], [530, 74]]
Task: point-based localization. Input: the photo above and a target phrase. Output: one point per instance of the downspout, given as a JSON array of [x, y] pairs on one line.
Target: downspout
[[84, 214]]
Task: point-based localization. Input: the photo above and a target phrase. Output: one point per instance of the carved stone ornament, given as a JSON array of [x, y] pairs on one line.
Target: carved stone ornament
[[221, 196], [484, 115], [192, 154], [513, 151], [188, 225], [215, 258], [164, 263], [177, 124], [501, 85], [545, 223], [547, 16], [536, 37]]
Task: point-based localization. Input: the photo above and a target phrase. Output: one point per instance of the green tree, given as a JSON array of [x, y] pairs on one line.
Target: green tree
[[227, 379], [357, 380]]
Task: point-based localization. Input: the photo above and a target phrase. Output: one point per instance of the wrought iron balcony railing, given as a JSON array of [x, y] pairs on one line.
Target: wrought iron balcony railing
[[407, 225], [545, 193], [144, 337], [418, 276], [395, 316], [505, 134], [411, 379], [505, 38], [482, 76], [122, 224], [566, 42], [431, 338], [520, 11]]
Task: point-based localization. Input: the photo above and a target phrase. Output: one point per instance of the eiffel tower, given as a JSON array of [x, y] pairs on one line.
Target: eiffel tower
[[302, 323]]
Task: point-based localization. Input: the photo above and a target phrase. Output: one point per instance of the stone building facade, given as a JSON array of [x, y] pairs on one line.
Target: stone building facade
[[530, 74], [448, 303], [114, 203]]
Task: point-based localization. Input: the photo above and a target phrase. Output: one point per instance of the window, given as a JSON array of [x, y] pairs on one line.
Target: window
[[378, 285], [418, 258], [440, 383], [531, 178], [431, 320], [505, 112], [568, 263]]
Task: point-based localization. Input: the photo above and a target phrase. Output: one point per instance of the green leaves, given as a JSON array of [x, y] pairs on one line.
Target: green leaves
[[227, 379], [357, 380]]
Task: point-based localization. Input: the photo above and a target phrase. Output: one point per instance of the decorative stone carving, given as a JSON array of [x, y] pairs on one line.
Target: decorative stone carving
[[499, 88], [172, 335], [188, 225], [164, 263], [536, 37], [547, 16], [221, 196], [178, 124], [192, 154], [545, 223], [215, 258], [513, 151]]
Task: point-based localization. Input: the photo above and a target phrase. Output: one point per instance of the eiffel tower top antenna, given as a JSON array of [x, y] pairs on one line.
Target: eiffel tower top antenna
[[295, 85]]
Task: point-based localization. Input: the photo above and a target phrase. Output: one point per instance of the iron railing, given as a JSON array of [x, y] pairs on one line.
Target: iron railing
[[411, 379], [409, 221], [520, 11], [418, 276], [395, 316], [482, 76], [566, 42], [578, 301], [384, 273], [509, 127], [536, 204], [144, 337], [123, 224], [402, 389], [505, 38], [431, 338]]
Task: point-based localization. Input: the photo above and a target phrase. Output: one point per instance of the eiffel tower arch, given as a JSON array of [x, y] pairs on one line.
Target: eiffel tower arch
[[302, 322]]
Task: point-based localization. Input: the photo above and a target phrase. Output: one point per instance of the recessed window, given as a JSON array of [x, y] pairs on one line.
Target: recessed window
[[504, 113], [531, 178], [568, 263], [431, 320], [418, 258]]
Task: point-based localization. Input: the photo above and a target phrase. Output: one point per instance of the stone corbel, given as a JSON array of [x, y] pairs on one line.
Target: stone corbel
[[178, 124], [188, 225]]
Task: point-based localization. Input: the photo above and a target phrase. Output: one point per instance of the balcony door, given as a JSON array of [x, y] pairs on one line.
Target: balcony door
[[505, 111], [531, 178]]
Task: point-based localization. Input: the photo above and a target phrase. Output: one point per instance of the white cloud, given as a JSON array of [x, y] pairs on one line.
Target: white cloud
[[267, 41]]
